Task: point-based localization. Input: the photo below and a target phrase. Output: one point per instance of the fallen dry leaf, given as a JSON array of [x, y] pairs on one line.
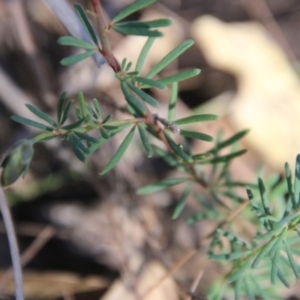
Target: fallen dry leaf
[[268, 96], [150, 276], [45, 285]]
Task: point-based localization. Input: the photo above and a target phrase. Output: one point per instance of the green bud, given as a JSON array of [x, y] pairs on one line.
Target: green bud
[[16, 162]]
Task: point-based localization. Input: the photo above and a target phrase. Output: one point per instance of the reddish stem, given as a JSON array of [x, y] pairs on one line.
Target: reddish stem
[[106, 48]]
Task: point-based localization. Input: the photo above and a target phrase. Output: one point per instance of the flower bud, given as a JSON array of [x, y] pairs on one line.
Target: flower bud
[[16, 162]]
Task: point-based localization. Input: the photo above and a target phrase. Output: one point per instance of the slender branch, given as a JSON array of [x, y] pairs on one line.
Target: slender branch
[[13, 245], [39, 242], [195, 285], [106, 47]]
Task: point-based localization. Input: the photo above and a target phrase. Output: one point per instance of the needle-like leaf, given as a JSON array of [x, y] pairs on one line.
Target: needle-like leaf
[[128, 10], [161, 185], [169, 58], [145, 140], [32, 123], [120, 152], [75, 42], [84, 20], [41, 114], [70, 60]]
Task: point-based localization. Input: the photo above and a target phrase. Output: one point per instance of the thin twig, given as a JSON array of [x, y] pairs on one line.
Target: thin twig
[[182, 261], [13, 245], [43, 237], [195, 285], [33, 229], [106, 47]]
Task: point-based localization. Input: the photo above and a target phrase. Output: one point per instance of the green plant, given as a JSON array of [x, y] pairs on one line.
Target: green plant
[[277, 221]]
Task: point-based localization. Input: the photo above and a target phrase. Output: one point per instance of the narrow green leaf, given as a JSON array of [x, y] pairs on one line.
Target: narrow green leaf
[[173, 101], [149, 83], [196, 118], [202, 216], [249, 289], [179, 76], [120, 152], [82, 104], [229, 256], [32, 123], [216, 291], [289, 218], [128, 67], [288, 175], [133, 101], [269, 234], [73, 41], [291, 260], [145, 140], [240, 271], [84, 20], [128, 10], [104, 134], [73, 125], [66, 112], [169, 158], [196, 135], [282, 278], [41, 115], [91, 112], [79, 144], [297, 180], [144, 96], [263, 252], [257, 289], [264, 198], [239, 184], [169, 58], [106, 119], [274, 268], [124, 63], [231, 237], [132, 74], [277, 246], [144, 53], [137, 31], [102, 140], [229, 141], [78, 112], [145, 24], [85, 137], [114, 124], [70, 60], [238, 288], [43, 137], [60, 106], [177, 149], [161, 185], [77, 151], [225, 158], [97, 108], [249, 194], [215, 196], [182, 202]]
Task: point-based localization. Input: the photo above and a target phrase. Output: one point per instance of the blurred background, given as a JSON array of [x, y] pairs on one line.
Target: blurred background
[[84, 236]]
